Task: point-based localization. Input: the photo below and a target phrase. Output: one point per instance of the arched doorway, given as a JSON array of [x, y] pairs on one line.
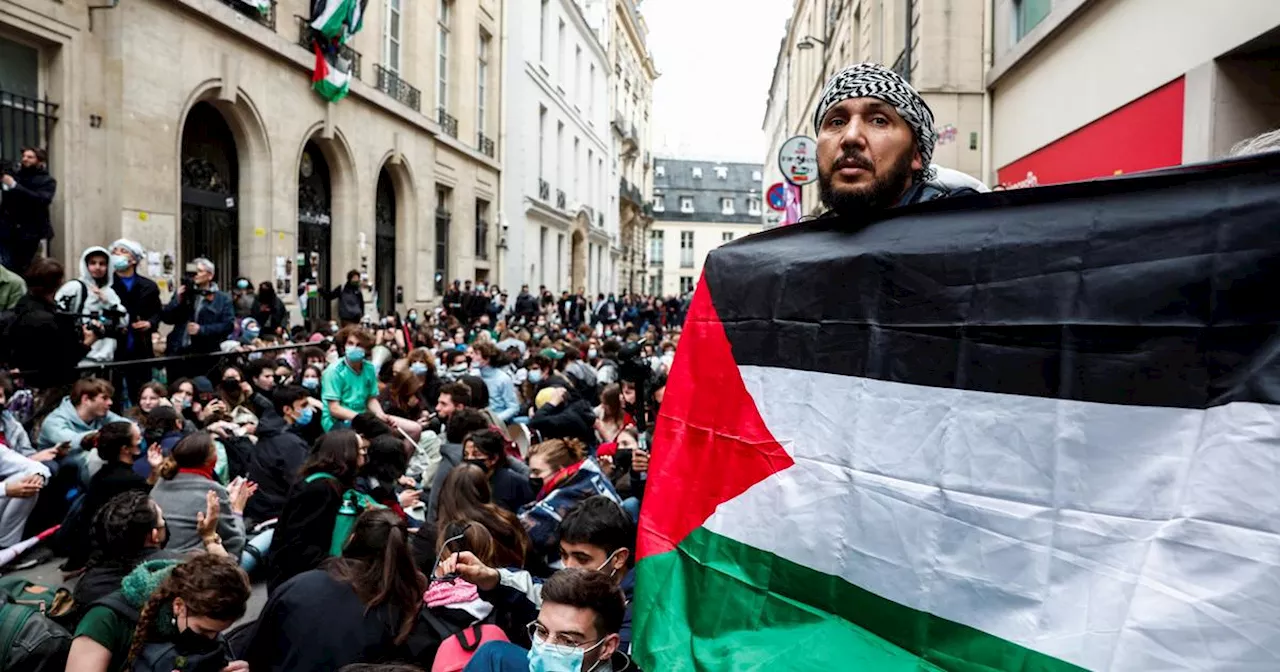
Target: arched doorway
[[315, 230], [384, 249], [210, 178]]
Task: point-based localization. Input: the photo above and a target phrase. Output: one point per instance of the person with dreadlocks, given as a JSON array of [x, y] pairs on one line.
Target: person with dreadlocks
[[875, 141], [165, 616]]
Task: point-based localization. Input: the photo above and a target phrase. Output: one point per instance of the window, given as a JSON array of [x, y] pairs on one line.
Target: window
[[726, 206], [559, 258], [561, 59], [577, 184], [542, 256], [442, 47], [655, 248], [659, 205], [697, 173], [590, 198], [542, 142], [655, 283], [755, 174], [560, 155], [686, 204], [591, 93], [753, 206], [391, 37], [482, 80], [726, 237], [686, 249], [577, 74], [542, 31], [722, 172], [482, 229], [686, 284], [660, 171], [1028, 14], [443, 195]]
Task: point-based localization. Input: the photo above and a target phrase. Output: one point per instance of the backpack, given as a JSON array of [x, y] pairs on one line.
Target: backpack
[[353, 502], [50, 602], [30, 641], [164, 656], [453, 646]]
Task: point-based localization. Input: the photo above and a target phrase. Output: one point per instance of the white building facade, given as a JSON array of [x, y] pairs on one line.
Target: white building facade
[[557, 223]]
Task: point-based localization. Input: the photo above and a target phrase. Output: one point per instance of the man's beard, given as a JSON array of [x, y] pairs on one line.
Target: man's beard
[[884, 191]]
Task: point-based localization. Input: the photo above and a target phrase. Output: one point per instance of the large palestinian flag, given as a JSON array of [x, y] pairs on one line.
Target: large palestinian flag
[[1029, 430]]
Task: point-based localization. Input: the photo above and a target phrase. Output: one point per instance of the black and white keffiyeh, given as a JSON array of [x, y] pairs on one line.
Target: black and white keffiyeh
[[872, 80]]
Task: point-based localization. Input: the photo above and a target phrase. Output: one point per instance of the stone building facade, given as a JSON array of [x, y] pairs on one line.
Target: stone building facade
[[634, 73], [191, 126]]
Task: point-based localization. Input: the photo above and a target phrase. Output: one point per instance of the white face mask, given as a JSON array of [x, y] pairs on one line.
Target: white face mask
[[612, 570]]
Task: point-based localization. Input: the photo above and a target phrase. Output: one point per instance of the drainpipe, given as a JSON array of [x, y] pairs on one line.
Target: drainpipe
[[988, 49]]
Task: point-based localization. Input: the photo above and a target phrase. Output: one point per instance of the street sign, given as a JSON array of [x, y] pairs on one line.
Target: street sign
[[777, 197], [798, 160]]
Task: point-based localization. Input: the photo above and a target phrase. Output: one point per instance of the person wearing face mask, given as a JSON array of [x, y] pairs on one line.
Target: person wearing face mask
[[166, 616], [140, 297], [279, 453], [91, 297], [488, 450], [350, 299], [243, 298], [349, 386], [186, 480], [597, 539]]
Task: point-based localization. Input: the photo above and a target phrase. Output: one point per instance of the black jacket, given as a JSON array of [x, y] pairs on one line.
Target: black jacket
[[572, 419], [114, 478], [315, 623], [143, 304], [273, 465], [305, 530], [270, 316], [350, 302], [40, 338], [24, 209], [511, 490]]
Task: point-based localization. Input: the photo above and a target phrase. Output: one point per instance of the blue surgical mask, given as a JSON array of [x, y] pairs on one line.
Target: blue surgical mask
[[186, 402], [311, 383], [355, 354], [242, 285], [591, 354], [418, 369], [535, 376], [305, 416], [119, 262], [545, 657]]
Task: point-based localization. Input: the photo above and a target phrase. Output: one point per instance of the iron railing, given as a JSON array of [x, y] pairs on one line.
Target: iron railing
[[448, 123], [307, 36], [25, 122], [600, 219], [560, 200], [391, 84], [630, 192], [544, 190], [619, 123], [265, 16], [485, 144]]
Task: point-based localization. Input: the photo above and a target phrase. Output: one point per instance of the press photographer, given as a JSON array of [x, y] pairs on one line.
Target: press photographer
[[201, 315], [26, 190], [91, 302], [40, 338]]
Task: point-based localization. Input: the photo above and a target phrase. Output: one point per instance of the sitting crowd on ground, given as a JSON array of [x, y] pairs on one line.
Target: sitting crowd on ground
[[405, 488]]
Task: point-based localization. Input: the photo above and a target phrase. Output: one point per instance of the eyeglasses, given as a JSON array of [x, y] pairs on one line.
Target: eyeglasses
[[540, 634], [452, 576]]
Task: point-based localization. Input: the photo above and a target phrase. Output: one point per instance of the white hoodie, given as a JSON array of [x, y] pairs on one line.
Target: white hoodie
[[100, 298]]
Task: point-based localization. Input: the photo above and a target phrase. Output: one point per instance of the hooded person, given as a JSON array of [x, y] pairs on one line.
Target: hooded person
[[91, 297], [875, 137]]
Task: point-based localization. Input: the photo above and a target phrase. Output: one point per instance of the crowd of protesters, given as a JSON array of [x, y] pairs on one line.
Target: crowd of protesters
[[404, 486]]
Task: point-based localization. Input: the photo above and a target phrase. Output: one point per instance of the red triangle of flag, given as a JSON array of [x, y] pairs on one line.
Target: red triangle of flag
[[710, 444]]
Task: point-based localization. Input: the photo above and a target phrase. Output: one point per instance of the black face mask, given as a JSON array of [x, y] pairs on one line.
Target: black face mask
[[191, 642], [536, 484], [164, 541], [484, 466]]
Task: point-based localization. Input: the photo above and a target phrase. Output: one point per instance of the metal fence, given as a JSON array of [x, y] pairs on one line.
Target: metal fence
[[448, 123], [24, 122], [391, 84], [266, 17]]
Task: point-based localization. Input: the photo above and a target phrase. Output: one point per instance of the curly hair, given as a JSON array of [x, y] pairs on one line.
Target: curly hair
[[121, 528], [209, 585]]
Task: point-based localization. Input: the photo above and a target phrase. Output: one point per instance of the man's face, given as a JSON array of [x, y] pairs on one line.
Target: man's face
[[445, 407], [120, 251], [203, 276], [97, 265], [352, 343], [29, 159], [563, 625], [866, 156], [594, 558], [265, 380], [98, 405]]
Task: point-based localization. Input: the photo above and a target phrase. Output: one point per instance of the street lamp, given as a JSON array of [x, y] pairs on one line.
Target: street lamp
[[807, 43]]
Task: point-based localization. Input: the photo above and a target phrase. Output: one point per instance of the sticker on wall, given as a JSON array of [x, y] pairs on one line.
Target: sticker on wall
[[143, 216], [259, 232]]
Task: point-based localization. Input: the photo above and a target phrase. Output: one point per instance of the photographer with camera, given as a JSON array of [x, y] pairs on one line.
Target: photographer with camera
[[202, 316], [40, 339], [25, 195], [94, 304]]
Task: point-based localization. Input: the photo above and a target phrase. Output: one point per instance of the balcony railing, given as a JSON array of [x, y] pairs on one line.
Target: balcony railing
[[307, 37], [544, 190], [560, 200], [619, 123], [25, 122], [485, 144], [448, 123], [264, 15], [629, 192], [404, 93]]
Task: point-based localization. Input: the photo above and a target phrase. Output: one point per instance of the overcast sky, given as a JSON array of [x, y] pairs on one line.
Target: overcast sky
[[716, 59]]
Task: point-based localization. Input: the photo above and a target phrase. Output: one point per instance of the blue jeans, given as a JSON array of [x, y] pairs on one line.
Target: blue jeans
[[632, 506], [499, 657]]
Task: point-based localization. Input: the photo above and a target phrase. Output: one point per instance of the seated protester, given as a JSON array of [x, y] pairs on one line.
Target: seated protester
[[284, 373], [597, 536], [454, 601], [151, 395], [565, 478], [87, 409], [542, 372], [305, 531], [310, 379], [423, 365], [12, 434], [184, 491], [165, 613], [262, 379], [501, 389], [487, 449], [610, 416], [627, 475], [480, 402], [579, 621], [562, 415], [118, 444], [349, 386], [21, 480], [403, 397], [582, 375], [360, 608], [162, 427], [382, 470], [465, 496], [460, 423], [280, 452]]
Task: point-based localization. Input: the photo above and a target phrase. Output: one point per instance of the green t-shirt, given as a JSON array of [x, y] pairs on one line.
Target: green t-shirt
[[109, 629], [351, 390]]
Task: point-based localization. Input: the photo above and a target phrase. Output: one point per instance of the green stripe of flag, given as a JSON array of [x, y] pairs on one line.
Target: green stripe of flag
[[717, 604]]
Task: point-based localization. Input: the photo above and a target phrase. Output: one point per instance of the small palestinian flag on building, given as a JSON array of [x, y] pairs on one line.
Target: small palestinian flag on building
[[338, 19], [263, 6], [332, 75], [1031, 430]]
